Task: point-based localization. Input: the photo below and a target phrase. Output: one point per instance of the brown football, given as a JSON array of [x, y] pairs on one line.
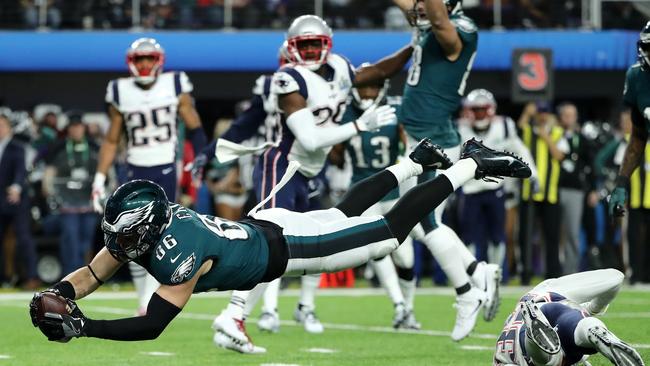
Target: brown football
[[51, 303]]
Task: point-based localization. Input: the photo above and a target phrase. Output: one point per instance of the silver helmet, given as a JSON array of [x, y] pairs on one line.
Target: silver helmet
[[479, 99], [309, 28], [283, 54], [365, 103], [145, 47]]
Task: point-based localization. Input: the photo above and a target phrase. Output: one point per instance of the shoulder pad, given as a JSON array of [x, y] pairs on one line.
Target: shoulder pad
[[288, 80], [113, 93]]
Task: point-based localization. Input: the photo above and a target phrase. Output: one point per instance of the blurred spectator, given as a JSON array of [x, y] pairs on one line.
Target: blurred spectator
[[210, 13], [67, 182], [47, 130], [575, 180], [14, 203], [35, 10], [540, 198]]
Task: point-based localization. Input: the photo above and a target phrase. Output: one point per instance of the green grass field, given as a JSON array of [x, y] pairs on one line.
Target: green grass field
[[357, 333]]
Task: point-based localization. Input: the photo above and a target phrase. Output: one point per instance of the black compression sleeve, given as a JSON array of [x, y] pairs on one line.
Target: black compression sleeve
[[160, 312]]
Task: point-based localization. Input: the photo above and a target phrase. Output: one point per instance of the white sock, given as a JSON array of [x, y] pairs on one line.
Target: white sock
[[581, 333], [496, 253], [254, 297], [461, 172], [271, 296], [139, 276], [235, 308], [405, 169], [408, 291], [442, 244], [387, 275], [465, 254], [308, 290]]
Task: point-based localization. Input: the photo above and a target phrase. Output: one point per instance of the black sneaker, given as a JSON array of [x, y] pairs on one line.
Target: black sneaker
[[539, 330], [430, 156], [492, 163], [617, 351]]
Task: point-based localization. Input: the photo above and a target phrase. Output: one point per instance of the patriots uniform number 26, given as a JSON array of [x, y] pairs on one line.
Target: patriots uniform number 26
[[156, 125]]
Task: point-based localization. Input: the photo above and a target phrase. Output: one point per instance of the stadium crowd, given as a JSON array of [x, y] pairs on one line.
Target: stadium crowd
[[558, 229], [209, 14]]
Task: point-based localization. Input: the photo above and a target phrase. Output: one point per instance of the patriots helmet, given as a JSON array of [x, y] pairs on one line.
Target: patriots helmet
[[361, 99], [417, 16], [283, 54], [145, 47], [309, 41], [483, 106], [134, 218], [643, 47]]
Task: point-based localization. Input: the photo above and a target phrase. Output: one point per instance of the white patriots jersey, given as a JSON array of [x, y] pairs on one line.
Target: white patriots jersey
[[500, 135], [150, 116], [326, 98]]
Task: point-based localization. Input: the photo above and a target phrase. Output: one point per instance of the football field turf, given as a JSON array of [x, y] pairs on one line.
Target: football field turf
[[357, 333]]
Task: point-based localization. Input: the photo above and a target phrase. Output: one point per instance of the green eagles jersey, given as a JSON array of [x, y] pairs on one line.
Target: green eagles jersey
[[372, 152], [636, 93], [434, 85], [239, 252]]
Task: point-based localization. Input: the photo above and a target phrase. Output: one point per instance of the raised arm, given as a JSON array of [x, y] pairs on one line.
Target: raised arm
[[384, 68], [444, 31]]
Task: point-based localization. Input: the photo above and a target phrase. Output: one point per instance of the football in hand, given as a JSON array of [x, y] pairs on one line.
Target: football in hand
[[48, 302]]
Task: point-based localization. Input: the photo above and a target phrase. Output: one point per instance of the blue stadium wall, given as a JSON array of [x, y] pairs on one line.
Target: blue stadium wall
[[73, 68], [257, 50]]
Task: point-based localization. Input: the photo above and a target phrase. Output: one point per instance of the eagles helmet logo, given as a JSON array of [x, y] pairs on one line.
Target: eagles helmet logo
[[184, 269], [127, 220]]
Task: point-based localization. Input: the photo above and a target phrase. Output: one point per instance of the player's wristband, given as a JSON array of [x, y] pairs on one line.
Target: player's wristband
[[65, 289], [622, 181]]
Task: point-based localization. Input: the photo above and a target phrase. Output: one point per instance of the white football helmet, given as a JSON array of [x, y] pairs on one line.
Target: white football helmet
[[283, 54], [481, 98], [309, 28], [144, 47]]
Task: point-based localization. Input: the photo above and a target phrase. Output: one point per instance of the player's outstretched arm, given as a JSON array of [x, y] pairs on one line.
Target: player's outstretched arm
[[87, 279], [301, 122], [384, 68], [443, 29]]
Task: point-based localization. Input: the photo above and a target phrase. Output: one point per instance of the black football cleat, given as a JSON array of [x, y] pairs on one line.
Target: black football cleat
[[430, 156], [492, 163]]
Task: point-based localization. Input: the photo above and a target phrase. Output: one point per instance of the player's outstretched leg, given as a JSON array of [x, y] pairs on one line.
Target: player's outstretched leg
[[371, 190], [476, 161], [317, 244], [592, 333]]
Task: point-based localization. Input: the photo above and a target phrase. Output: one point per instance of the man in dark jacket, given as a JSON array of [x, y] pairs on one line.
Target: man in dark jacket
[[14, 203]]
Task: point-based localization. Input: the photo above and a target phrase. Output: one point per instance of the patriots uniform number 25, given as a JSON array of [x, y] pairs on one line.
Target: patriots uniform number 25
[[139, 126]]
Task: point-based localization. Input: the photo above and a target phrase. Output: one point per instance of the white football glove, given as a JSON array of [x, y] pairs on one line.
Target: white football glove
[[375, 118], [98, 194]]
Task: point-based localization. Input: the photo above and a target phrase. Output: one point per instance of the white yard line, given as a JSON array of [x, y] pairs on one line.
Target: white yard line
[[158, 354]]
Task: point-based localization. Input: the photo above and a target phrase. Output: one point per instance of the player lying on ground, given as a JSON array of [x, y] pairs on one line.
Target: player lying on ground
[[189, 253], [554, 323]]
